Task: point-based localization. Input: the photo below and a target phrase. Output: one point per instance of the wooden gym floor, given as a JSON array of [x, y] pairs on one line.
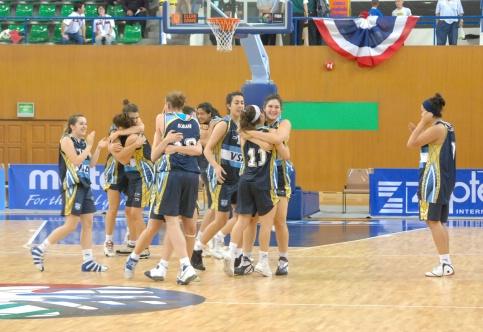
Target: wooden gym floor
[[375, 283]]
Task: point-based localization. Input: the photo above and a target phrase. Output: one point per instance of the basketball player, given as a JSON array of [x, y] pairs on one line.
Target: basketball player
[[223, 153], [256, 192], [115, 181], [437, 175], [75, 160], [139, 173], [207, 117], [176, 146], [278, 136]]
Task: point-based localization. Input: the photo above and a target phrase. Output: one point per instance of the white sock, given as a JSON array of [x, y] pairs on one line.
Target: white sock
[[444, 259], [87, 255], [44, 245], [134, 256], [248, 254], [164, 263], [198, 237], [184, 261], [263, 256], [131, 243], [232, 249], [238, 252], [220, 236], [108, 238], [283, 254], [198, 245]]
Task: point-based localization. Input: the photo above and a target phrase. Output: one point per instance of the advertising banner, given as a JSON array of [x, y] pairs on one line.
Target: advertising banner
[[393, 192]]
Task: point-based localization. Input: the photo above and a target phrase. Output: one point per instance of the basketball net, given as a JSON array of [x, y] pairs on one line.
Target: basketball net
[[224, 29]]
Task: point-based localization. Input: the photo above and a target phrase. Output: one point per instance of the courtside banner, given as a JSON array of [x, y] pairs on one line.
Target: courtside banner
[[393, 192], [2, 187], [37, 186]]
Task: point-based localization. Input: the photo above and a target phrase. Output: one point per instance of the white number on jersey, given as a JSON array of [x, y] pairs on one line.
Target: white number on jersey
[[252, 162]]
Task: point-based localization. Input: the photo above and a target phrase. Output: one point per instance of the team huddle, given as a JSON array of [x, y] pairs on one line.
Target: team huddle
[[242, 160]]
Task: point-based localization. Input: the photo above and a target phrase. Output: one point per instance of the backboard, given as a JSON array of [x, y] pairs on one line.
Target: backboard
[[190, 16]]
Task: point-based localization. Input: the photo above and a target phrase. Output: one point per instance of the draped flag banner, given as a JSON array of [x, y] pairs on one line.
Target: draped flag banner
[[369, 41]]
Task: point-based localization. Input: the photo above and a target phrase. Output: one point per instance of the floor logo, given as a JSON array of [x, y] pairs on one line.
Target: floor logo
[[32, 301]]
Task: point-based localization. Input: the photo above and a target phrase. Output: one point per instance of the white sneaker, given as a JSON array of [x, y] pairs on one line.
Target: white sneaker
[[229, 265], [158, 273], [218, 250], [441, 270], [109, 249], [186, 275], [207, 252], [263, 268]]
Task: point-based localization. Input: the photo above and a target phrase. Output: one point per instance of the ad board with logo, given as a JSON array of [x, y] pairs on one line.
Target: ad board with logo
[[2, 187], [393, 192], [38, 187]]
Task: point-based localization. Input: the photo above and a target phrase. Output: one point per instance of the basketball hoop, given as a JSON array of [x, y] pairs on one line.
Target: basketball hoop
[[223, 28]]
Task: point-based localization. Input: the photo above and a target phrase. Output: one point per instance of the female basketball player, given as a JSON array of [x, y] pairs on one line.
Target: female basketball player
[[436, 139], [207, 117], [223, 153], [278, 135], [256, 191], [135, 156], [176, 147], [115, 181], [75, 160]]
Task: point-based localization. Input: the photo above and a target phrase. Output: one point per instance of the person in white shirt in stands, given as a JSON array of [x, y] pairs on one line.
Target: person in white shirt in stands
[[447, 29], [73, 28], [104, 28], [401, 10]]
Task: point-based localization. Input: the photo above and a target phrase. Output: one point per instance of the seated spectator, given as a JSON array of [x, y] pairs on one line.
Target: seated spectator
[[401, 10], [104, 28], [73, 29], [374, 11], [136, 8]]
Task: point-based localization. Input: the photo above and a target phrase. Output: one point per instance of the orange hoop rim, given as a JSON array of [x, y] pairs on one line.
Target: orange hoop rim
[[224, 23]]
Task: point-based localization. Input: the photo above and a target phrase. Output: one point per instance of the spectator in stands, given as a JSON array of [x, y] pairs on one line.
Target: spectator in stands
[[374, 11], [317, 8], [447, 29], [73, 29], [266, 8], [136, 8], [104, 28], [300, 9], [401, 10]]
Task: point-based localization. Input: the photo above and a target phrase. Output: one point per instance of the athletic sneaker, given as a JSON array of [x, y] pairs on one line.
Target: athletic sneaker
[[229, 265], [218, 251], [93, 266], [129, 267], [209, 248], [109, 249], [158, 273], [126, 249], [263, 268], [145, 254], [246, 267], [441, 270], [186, 275], [282, 268], [38, 258], [238, 261], [197, 260]]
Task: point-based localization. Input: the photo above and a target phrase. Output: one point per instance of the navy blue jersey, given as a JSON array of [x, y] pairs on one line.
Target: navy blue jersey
[[228, 152], [190, 128], [259, 166], [438, 169], [71, 174]]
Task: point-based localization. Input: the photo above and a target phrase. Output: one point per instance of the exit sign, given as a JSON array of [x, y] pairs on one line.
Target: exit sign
[[25, 110]]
